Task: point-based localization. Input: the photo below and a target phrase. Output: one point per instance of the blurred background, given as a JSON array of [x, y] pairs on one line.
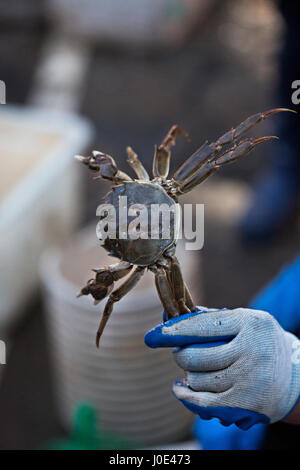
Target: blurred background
[[83, 75]]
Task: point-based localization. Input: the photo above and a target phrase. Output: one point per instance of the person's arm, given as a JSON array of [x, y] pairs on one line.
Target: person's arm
[[240, 365]]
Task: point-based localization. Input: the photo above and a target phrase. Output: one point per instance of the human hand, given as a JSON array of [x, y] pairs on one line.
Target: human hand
[[241, 366]]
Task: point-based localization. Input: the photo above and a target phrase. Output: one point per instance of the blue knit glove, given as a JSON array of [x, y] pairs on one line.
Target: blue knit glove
[[241, 366]]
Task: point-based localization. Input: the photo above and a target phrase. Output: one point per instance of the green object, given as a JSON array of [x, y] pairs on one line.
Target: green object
[[85, 434]]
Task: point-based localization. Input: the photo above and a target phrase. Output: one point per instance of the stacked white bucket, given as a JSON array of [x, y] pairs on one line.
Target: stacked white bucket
[[128, 383]]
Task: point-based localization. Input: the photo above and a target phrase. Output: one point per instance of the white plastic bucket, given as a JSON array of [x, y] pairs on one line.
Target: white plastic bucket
[[128, 383]]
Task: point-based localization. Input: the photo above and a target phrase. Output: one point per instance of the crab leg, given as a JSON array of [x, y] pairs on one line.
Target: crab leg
[[162, 154], [137, 165], [117, 295], [164, 291], [104, 280], [196, 161], [208, 152], [188, 299], [178, 287], [105, 165], [228, 156], [181, 292]]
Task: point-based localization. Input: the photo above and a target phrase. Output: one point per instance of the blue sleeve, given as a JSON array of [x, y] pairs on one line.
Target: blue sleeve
[[213, 436], [281, 297]]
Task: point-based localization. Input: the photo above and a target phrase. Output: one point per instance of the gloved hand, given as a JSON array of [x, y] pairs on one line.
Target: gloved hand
[[241, 366]]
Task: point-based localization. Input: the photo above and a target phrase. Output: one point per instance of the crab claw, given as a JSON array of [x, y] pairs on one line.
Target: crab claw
[[277, 110], [89, 161], [96, 153], [86, 289], [97, 160], [241, 149], [248, 124], [81, 158], [97, 291]]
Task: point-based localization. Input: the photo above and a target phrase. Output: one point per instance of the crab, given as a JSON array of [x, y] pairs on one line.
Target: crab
[[158, 255]]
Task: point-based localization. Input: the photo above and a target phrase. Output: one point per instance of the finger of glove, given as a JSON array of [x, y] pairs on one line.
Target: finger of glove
[[218, 405], [218, 381], [196, 358], [201, 399], [197, 327]]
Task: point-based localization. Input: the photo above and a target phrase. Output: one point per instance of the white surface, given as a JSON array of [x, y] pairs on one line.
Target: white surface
[[129, 384], [42, 207]]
